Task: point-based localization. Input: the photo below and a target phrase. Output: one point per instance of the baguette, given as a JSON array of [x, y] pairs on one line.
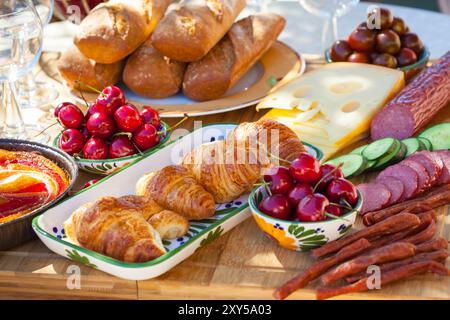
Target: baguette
[[232, 57], [150, 74], [74, 66], [115, 29], [189, 31]]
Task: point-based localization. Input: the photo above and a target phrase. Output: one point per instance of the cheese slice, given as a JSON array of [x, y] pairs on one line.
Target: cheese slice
[[348, 95]]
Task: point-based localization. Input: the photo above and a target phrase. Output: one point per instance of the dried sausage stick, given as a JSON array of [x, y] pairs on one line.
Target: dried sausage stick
[[425, 220], [423, 235], [319, 268], [434, 199], [391, 252], [391, 225], [432, 245], [387, 277], [426, 256]]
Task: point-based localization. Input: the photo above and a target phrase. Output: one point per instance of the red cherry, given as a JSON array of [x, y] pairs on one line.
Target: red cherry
[[90, 183], [151, 116], [95, 108], [312, 208], [111, 98], [127, 118], [325, 170], [305, 168], [101, 125], [279, 179], [95, 149], [298, 192], [70, 116], [71, 141], [342, 189], [59, 107], [334, 210], [121, 146], [85, 133], [146, 137], [276, 206]]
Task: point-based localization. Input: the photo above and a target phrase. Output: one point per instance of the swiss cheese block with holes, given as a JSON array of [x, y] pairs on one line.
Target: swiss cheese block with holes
[[333, 106]]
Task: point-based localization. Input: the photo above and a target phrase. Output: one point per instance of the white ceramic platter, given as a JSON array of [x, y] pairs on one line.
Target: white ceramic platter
[[49, 226]]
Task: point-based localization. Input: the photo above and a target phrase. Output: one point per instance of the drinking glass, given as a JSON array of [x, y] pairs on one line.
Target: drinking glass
[[330, 10], [20, 49], [32, 93]]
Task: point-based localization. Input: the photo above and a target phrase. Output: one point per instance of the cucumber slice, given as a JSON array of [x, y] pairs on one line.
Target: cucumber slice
[[413, 145], [380, 148], [359, 150], [426, 143], [353, 164], [438, 135], [393, 157], [371, 164]]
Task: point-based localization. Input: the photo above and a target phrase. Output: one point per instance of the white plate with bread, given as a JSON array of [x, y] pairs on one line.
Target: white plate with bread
[[190, 57], [127, 224]]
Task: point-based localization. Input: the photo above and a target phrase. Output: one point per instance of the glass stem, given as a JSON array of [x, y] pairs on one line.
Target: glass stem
[[11, 116], [335, 28]]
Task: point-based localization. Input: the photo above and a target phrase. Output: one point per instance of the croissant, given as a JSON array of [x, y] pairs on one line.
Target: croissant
[[147, 205], [174, 188], [116, 228], [169, 224], [226, 171], [285, 145]]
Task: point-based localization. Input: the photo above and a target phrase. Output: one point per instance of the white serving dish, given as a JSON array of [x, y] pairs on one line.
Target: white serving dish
[[49, 226]]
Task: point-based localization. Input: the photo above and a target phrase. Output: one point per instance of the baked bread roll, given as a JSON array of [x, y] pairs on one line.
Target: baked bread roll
[[248, 39], [169, 224], [276, 139], [113, 30], [150, 74], [175, 189], [74, 66], [192, 28], [115, 228], [226, 171]]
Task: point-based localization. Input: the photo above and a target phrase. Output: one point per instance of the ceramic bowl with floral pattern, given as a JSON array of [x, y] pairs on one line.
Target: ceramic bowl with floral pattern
[[300, 236], [109, 166]]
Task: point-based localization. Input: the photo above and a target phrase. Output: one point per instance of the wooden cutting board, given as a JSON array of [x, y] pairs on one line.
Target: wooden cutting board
[[242, 264]]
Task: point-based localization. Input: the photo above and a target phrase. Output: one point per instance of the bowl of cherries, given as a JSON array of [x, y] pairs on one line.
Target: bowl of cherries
[[305, 205], [391, 44], [112, 134]]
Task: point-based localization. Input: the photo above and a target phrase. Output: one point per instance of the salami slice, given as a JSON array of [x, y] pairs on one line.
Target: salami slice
[[445, 175], [406, 175], [416, 104], [375, 196], [395, 187], [422, 174], [431, 162]]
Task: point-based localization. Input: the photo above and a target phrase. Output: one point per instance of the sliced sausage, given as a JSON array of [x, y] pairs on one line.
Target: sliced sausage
[[416, 104], [422, 175], [445, 175], [431, 162], [375, 196], [406, 174], [395, 187]]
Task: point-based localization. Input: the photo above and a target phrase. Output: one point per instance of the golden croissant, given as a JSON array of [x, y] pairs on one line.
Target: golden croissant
[[175, 188], [226, 171], [277, 139], [116, 228]]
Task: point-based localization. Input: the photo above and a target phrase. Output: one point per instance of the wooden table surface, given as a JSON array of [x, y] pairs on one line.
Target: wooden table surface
[[241, 264]]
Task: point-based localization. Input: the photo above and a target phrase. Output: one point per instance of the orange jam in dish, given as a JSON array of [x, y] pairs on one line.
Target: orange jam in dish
[[27, 182]]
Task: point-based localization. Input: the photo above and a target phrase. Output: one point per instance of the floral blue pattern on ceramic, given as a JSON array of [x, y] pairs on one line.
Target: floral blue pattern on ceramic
[[300, 236]]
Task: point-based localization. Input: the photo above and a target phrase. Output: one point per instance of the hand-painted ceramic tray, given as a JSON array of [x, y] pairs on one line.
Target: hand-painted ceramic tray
[[49, 226], [279, 64]]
